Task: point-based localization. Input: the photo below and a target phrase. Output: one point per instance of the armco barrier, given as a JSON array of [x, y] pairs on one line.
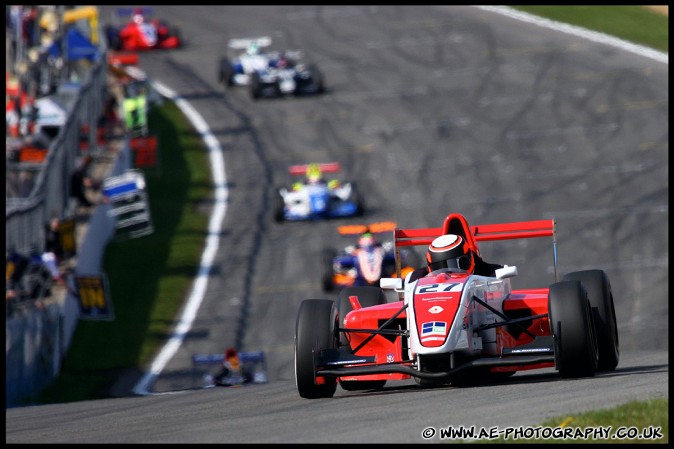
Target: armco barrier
[[38, 338]]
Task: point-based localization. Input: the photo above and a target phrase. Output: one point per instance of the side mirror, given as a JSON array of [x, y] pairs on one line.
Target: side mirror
[[391, 283], [506, 272]]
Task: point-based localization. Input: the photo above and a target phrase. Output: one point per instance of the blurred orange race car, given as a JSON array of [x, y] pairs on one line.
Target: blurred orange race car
[[367, 261]]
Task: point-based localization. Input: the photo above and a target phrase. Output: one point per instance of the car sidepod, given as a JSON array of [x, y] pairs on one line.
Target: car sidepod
[[367, 297]]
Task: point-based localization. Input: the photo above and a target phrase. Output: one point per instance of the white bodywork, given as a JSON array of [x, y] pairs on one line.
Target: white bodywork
[[298, 201], [470, 315]]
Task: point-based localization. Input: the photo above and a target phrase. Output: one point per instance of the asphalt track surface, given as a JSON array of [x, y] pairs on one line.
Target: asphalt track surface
[[430, 110]]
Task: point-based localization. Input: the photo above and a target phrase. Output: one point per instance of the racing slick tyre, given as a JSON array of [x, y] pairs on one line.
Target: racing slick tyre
[[315, 329], [277, 89], [367, 297], [600, 295], [176, 32], [328, 257], [358, 199], [255, 86], [279, 209], [112, 35], [313, 85], [319, 80], [570, 317], [226, 74]]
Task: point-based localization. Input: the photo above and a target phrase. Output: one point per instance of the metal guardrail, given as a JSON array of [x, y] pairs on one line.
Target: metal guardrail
[[49, 195]]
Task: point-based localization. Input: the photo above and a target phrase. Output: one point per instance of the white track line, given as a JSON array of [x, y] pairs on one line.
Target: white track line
[[217, 163], [580, 32]]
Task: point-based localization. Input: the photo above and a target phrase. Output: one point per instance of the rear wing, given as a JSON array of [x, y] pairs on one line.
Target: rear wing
[[243, 43], [128, 11], [474, 234], [374, 228], [326, 167]]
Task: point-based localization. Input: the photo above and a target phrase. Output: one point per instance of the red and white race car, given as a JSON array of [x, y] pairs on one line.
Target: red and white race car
[[456, 325], [142, 32]]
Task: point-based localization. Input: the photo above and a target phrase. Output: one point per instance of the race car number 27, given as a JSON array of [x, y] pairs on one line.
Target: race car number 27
[[434, 288]]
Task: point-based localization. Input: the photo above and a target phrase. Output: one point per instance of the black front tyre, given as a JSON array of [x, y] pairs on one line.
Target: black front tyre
[[226, 73], [600, 295], [571, 324], [315, 329]]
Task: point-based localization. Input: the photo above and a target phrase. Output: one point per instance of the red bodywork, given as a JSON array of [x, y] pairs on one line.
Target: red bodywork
[[149, 35]]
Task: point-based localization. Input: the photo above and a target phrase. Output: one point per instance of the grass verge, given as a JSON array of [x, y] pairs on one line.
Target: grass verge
[[631, 23], [637, 422], [149, 277]]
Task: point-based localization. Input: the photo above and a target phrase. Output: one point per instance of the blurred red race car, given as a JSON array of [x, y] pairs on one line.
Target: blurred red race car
[[142, 32]]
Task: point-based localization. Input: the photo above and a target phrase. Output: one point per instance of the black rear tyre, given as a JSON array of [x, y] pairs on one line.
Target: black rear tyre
[[600, 295], [328, 257], [279, 209], [112, 35], [570, 318], [255, 86], [358, 199], [315, 329], [317, 79]]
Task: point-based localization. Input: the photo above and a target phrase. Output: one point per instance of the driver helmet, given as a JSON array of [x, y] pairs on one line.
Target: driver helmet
[[253, 49], [366, 241], [230, 353], [138, 16], [314, 173], [449, 251], [232, 358]]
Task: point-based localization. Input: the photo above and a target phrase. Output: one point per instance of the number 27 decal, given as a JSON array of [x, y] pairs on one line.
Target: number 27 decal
[[434, 288]]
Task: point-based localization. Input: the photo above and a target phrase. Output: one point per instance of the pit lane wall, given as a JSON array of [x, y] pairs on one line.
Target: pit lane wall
[[38, 336]]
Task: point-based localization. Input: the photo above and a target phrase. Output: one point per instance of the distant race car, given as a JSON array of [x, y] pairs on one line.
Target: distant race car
[[366, 262], [269, 74], [316, 197], [248, 57], [286, 76], [141, 32], [253, 369], [454, 326]]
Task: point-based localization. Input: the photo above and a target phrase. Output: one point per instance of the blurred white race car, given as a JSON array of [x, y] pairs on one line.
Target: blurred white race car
[[249, 57], [316, 197], [269, 74]]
